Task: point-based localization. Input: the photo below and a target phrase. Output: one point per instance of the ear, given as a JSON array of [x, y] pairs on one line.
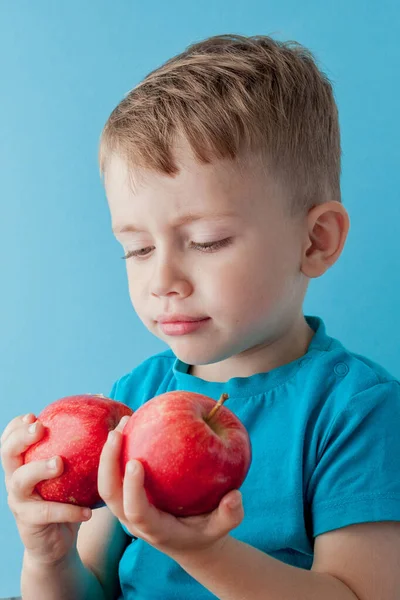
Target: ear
[[327, 228]]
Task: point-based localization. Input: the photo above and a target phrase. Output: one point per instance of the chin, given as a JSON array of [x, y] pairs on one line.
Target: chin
[[194, 353], [191, 352], [193, 357]]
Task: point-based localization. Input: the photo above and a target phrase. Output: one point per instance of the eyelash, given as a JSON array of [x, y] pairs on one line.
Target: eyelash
[[206, 247]]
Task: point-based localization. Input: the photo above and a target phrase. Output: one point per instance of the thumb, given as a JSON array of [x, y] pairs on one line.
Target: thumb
[[229, 513], [232, 502]]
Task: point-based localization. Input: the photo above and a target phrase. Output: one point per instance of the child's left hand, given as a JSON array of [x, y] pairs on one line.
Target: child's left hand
[[127, 500]]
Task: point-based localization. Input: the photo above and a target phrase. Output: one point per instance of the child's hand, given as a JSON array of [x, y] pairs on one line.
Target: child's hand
[[48, 530], [127, 500]]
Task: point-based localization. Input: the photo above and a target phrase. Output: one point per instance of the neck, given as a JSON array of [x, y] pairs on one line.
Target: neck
[[289, 345]]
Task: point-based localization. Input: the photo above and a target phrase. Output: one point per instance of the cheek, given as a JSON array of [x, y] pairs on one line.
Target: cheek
[[241, 286], [249, 289], [135, 285]]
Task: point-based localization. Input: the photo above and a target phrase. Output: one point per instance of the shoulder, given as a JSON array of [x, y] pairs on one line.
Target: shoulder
[[341, 388], [365, 371], [148, 379], [341, 374], [358, 403]]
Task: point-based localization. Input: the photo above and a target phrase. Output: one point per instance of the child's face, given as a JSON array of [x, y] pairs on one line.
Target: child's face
[[251, 289]]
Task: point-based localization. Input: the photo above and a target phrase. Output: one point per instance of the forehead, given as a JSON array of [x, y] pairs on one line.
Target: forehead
[[224, 186], [194, 188], [201, 179]]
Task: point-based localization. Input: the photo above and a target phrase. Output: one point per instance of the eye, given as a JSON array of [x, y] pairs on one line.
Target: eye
[[203, 247], [211, 246], [138, 253]]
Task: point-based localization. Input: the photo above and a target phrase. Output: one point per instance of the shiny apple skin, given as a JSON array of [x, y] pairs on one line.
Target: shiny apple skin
[[76, 428], [189, 465]]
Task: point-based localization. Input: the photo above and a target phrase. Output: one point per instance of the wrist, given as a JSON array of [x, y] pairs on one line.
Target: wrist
[[37, 564], [202, 556]]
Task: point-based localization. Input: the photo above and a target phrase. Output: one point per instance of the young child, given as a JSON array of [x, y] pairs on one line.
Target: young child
[[222, 173]]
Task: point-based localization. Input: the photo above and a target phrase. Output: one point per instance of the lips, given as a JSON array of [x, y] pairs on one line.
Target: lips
[[183, 327], [179, 318]]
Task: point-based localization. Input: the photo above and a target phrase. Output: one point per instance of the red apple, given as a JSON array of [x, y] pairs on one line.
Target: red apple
[[76, 428], [193, 449]]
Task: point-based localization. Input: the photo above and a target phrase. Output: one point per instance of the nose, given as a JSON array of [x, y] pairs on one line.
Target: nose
[[168, 278]]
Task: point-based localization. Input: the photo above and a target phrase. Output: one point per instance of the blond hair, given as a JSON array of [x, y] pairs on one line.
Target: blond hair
[[231, 95]]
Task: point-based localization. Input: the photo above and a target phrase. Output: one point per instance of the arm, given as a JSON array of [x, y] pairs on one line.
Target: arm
[[69, 579], [89, 573], [358, 562], [236, 571], [101, 544]]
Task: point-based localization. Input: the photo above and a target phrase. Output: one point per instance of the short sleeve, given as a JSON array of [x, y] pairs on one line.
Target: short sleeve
[[148, 379], [357, 477], [118, 389], [113, 391]]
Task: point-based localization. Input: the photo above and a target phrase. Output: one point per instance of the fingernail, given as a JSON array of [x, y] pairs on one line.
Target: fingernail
[[32, 428], [124, 420], [234, 503], [112, 438], [52, 463], [86, 513], [27, 417], [132, 467]]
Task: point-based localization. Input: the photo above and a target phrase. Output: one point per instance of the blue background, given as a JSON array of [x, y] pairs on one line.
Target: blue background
[[67, 325]]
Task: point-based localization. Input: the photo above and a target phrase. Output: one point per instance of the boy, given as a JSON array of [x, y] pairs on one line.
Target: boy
[[222, 174]]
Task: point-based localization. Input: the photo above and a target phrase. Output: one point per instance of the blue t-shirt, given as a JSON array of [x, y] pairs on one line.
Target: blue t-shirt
[[325, 442]]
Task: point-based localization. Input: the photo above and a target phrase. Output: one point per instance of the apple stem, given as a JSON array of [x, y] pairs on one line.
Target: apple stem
[[216, 407]]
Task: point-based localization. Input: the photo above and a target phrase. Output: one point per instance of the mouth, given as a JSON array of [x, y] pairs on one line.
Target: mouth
[[178, 318], [182, 327]]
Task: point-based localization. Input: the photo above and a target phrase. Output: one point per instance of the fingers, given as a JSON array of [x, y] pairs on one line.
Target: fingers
[[135, 502], [122, 423], [40, 512], [14, 424], [144, 519], [109, 478], [29, 508], [23, 481], [16, 441], [124, 493], [228, 515]]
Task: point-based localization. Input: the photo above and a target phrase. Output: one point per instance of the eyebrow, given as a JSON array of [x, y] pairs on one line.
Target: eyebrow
[[189, 218]]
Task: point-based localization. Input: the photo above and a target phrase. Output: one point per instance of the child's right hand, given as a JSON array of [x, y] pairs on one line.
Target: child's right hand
[[48, 530]]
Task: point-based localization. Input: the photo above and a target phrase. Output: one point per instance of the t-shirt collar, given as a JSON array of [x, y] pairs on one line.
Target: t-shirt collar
[[259, 382]]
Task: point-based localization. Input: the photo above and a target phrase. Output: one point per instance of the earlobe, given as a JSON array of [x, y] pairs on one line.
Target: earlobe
[[327, 229]]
